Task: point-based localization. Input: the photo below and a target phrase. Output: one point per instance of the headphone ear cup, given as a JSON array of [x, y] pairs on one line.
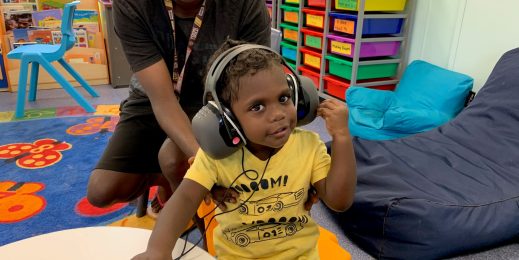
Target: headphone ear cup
[[308, 100], [292, 85], [217, 144]]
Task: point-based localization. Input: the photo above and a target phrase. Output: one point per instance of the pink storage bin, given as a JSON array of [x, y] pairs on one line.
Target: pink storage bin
[[344, 46]]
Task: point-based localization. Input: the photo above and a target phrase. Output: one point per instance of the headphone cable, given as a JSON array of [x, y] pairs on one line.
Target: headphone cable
[[244, 172]]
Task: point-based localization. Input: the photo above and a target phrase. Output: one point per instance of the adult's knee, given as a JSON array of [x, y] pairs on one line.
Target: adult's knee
[[98, 194], [173, 163]]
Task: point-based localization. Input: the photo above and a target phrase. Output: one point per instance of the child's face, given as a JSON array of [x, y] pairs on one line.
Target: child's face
[[264, 108]]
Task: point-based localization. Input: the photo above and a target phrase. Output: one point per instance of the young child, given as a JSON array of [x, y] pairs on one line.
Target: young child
[[272, 173]]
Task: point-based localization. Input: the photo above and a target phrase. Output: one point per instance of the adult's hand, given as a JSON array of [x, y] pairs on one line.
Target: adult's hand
[[312, 198], [221, 195], [217, 196]]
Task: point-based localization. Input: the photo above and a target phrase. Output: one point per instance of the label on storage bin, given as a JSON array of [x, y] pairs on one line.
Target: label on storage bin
[[341, 48], [291, 17], [290, 34], [347, 4], [312, 61], [314, 20], [313, 41], [344, 26]]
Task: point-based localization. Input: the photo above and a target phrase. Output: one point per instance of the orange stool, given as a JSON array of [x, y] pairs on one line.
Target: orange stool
[[328, 244]]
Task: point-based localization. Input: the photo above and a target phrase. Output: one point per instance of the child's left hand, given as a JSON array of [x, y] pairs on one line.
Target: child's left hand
[[335, 114]]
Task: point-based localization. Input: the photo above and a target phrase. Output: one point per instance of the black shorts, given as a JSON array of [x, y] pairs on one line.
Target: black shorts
[[136, 141]]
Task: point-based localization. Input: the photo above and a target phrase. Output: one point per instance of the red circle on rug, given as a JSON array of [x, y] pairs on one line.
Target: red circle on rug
[[84, 208]]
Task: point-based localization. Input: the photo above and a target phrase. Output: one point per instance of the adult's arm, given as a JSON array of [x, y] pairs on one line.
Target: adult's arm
[[255, 23], [152, 73]]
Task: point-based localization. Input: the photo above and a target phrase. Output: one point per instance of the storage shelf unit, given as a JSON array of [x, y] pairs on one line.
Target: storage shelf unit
[[355, 41]]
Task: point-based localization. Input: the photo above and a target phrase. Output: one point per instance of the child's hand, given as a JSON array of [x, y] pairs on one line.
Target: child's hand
[[152, 255], [335, 114]]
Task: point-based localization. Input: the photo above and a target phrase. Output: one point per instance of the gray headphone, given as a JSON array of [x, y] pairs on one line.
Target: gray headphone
[[215, 127]]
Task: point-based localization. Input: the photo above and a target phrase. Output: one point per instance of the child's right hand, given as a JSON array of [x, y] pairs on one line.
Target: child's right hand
[[335, 114], [151, 255]]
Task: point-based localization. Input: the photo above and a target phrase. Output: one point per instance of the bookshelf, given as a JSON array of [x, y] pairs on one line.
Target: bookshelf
[[36, 21]]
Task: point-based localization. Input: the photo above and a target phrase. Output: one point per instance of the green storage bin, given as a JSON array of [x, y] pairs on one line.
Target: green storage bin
[[291, 64], [342, 68]]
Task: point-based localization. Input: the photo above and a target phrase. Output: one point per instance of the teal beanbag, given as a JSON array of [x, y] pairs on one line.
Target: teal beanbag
[[426, 97]]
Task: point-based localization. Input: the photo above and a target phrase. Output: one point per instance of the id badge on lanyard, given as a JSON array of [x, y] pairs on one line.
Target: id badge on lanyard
[[178, 74]]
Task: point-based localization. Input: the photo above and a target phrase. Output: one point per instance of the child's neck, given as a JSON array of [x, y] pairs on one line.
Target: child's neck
[[262, 152]]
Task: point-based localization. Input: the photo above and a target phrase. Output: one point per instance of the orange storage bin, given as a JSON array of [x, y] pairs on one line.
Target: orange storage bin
[[314, 18], [290, 32], [311, 58], [310, 73], [290, 14]]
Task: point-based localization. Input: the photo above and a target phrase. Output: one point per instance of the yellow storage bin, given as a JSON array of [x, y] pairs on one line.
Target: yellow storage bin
[[292, 1], [371, 5], [311, 58]]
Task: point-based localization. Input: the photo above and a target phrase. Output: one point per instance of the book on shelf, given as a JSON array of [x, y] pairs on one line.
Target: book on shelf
[[18, 44], [40, 36], [51, 4], [47, 18], [86, 16], [20, 35], [81, 38], [17, 19], [56, 37]]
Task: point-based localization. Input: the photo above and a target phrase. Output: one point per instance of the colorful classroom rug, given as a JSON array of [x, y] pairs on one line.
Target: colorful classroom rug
[[45, 161]]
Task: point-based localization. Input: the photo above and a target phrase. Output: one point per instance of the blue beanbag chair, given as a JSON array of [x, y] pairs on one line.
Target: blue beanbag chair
[[448, 191], [426, 97]]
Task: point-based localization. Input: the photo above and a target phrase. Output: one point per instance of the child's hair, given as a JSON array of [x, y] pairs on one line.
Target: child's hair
[[248, 62]]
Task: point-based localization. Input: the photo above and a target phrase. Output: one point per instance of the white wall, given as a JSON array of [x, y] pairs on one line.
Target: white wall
[[466, 36]]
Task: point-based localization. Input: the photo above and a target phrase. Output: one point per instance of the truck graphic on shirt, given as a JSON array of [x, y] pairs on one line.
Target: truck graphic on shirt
[[274, 203], [262, 232]]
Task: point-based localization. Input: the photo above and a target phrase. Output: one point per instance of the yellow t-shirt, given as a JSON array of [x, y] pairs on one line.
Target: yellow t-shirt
[[272, 223]]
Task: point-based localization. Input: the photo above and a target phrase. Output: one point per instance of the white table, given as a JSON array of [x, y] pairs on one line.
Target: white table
[[109, 243]]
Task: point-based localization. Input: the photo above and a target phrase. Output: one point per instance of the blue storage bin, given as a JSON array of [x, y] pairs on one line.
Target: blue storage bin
[[347, 23], [288, 51]]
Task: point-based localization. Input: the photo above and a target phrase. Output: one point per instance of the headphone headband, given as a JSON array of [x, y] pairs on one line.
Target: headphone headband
[[220, 64]]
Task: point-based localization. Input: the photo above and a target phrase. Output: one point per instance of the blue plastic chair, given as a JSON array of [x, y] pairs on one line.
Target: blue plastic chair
[[44, 54]]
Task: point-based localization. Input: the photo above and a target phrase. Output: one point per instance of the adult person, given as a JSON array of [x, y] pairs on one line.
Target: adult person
[[167, 44]]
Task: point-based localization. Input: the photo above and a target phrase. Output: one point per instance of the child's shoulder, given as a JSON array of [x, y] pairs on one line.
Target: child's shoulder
[[300, 133]]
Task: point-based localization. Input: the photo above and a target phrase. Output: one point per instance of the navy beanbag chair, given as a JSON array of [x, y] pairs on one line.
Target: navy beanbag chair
[[447, 191]]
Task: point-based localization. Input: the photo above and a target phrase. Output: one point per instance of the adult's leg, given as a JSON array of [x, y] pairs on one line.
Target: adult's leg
[[129, 164], [173, 164], [106, 187]]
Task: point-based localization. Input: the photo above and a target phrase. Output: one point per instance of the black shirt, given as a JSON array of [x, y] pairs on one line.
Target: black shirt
[[144, 29]]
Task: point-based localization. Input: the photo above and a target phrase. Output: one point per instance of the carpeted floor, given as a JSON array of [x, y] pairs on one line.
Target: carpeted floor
[[45, 161]]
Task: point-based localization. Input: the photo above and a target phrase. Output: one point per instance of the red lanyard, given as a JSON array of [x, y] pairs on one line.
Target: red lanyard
[[178, 76]]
